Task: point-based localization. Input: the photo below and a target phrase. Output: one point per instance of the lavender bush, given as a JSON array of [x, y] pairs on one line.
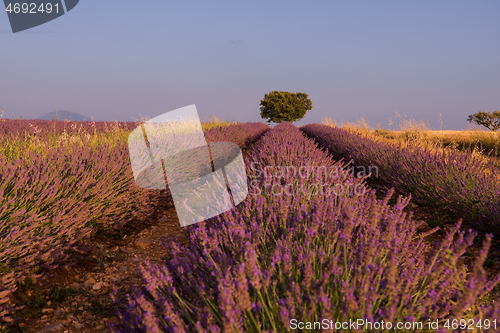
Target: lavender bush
[[50, 202], [452, 181], [304, 256], [242, 134]]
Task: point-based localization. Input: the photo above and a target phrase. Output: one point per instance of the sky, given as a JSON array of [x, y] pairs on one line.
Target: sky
[[125, 60]]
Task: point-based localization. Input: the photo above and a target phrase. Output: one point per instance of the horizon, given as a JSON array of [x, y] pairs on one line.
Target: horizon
[[355, 60], [357, 122]]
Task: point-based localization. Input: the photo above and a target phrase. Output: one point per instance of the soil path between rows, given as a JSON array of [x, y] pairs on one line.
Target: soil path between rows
[[86, 305]]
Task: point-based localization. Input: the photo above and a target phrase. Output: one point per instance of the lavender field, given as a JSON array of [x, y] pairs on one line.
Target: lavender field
[[311, 242], [450, 180], [279, 259]]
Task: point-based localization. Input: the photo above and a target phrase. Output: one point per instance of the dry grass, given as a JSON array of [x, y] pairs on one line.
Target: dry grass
[[214, 121], [360, 126], [209, 122], [412, 132]]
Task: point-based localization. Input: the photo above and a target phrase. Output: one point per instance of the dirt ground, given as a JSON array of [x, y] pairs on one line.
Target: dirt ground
[[77, 299]]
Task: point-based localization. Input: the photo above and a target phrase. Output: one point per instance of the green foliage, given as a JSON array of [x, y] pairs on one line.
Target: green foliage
[[490, 120], [280, 106]]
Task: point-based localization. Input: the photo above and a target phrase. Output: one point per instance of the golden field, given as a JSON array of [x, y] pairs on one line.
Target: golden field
[[476, 140]]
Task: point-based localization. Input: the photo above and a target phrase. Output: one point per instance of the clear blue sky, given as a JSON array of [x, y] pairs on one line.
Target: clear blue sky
[[116, 59]]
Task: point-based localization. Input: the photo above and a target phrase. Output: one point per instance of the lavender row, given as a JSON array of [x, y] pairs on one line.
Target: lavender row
[[452, 181], [242, 134], [50, 202], [280, 258]]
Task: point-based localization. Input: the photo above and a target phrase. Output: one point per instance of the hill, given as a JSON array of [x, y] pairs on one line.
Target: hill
[[63, 115]]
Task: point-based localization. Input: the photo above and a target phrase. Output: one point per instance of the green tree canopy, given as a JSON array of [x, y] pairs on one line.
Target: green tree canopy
[[279, 106], [490, 120]]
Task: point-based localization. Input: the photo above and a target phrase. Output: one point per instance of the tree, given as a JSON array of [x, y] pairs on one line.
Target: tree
[[279, 106], [490, 120]]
